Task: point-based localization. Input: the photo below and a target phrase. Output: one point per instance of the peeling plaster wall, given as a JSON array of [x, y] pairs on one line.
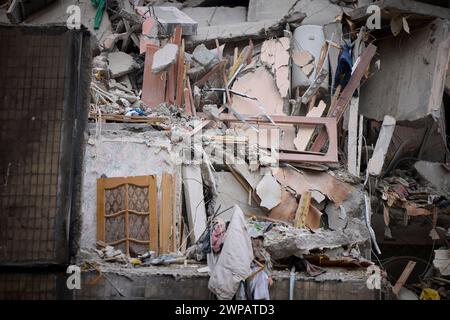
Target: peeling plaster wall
[[119, 154]]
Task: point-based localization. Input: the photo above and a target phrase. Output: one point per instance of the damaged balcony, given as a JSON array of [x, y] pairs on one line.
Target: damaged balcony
[[246, 150]]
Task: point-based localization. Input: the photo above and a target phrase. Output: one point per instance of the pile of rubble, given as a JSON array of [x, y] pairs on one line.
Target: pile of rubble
[[295, 126], [280, 189]]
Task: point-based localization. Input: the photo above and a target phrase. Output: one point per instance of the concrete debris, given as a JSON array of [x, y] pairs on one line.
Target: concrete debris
[[195, 205], [218, 134], [282, 242], [164, 58], [169, 18], [120, 64], [203, 56], [434, 173], [216, 16], [269, 191]]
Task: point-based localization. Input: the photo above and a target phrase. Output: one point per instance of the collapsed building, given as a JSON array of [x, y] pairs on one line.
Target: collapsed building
[[225, 149]]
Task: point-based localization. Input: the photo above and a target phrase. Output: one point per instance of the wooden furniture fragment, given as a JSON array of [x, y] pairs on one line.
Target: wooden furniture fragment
[[330, 125], [154, 85], [126, 213], [403, 277], [166, 218]]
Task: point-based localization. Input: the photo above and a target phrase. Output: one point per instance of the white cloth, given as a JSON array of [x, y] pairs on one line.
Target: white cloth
[[234, 261]]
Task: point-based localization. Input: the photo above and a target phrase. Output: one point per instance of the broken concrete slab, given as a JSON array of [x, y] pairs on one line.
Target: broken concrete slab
[[56, 12], [195, 204], [269, 191], [216, 16], [376, 163], [170, 17], [435, 174], [164, 58], [352, 207], [120, 64], [231, 192], [283, 242], [266, 9], [234, 32], [203, 56], [318, 12], [20, 10]]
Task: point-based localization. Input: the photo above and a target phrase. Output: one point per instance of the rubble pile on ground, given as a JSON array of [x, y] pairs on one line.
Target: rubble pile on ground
[[284, 181], [295, 132]]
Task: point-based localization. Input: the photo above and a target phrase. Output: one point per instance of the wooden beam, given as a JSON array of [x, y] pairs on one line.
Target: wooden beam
[[346, 95], [403, 277], [154, 85], [166, 215], [101, 209], [302, 210], [330, 131], [153, 215]]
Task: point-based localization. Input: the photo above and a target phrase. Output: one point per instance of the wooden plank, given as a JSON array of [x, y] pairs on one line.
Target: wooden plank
[[191, 97], [154, 85], [347, 94], [376, 162], [176, 219], [166, 214], [101, 209], [352, 145], [330, 131], [210, 73], [360, 137], [173, 70], [403, 277], [111, 183], [305, 132], [153, 218], [302, 210], [127, 221], [180, 75]]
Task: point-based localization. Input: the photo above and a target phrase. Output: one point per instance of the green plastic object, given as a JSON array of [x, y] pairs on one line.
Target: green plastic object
[[100, 5]]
